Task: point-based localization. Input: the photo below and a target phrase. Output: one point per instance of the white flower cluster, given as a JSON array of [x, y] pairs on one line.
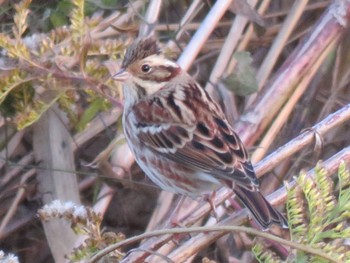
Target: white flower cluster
[[57, 208], [10, 258]]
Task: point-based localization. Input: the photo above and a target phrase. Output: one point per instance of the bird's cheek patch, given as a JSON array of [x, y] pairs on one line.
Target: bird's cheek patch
[[161, 74]]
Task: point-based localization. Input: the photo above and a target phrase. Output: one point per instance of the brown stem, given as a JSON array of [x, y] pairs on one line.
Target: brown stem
[[264, 166], [203, 239], [337, 118], [258, 116]]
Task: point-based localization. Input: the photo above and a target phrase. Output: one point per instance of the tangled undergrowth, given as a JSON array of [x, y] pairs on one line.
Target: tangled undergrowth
[[56, 60]]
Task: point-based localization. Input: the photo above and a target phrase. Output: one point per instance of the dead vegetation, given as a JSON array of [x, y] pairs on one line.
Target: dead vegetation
[[61, 135]]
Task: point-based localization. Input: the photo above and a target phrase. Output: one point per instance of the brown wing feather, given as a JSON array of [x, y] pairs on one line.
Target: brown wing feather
[[207, 144]]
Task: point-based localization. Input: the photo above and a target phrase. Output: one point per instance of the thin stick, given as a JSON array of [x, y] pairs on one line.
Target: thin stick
[[222, 229], [198, 242], [307, 137], [13, 208], [195, 7], [151, 17], [278, 44], [192, 49], [247, 37], [25, 160], [229, 46], [259, 115], [331, 165], [271, 161], [287, 109]]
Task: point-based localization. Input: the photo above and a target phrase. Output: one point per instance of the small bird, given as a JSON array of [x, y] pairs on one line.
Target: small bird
[[180, 136]]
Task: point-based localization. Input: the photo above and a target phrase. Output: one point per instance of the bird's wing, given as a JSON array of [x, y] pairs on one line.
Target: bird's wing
[[198, 136]]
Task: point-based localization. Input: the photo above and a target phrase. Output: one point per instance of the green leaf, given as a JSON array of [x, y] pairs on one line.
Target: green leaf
[[243, 80], [58, 19], [95, 107], [65, 6]]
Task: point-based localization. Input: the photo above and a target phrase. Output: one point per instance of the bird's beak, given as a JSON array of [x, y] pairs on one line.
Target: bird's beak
[[122, 75]]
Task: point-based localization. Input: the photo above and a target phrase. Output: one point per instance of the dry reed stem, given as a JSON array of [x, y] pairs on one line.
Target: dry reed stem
[[207, 26], [11, 146], [204, 238], [249, 33], [163, 206], [280, 41], [117, 19], [51, 147], [288, 108], [96, 126], [226, 52], [255, 120], [336, 85], [332, 121], [191, 12], [25, 160], [187, 26], [309, 7], [151, 17], [16, 201]]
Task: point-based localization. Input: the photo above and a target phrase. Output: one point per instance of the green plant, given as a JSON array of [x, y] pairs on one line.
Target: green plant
[[62, 66], [318, 214]]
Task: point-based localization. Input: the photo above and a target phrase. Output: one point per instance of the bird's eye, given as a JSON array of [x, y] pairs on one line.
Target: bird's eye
[[145, 68]]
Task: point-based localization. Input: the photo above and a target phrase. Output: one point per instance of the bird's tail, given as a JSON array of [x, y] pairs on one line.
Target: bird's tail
[[261, 209]]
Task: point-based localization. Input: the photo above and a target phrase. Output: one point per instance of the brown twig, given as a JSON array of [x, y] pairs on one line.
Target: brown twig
[[192, 49], [307, 137], [203, 239], [279, 42], [16, 201], [328, 29], [292, 71], [264, 166], [287, 109], [222, 229]]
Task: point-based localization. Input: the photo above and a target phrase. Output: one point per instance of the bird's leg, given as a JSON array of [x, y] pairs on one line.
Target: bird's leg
[[173, 218], [174, 221], [211, 200]]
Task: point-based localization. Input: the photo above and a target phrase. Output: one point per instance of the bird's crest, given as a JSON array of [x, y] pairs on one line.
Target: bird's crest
[[140, 49]]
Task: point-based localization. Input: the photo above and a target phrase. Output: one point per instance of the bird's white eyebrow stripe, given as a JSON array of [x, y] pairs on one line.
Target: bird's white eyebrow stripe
[[161, 61]]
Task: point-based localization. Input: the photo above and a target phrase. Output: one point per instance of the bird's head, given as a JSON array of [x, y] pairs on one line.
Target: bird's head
[[145, 69]]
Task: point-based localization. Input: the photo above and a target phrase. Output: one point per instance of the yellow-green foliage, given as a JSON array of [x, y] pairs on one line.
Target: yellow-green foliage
[[63, 66], [77, 18], [317, 214], [263, 255]]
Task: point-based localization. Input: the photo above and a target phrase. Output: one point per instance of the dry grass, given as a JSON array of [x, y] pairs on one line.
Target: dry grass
[[299, 115]]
